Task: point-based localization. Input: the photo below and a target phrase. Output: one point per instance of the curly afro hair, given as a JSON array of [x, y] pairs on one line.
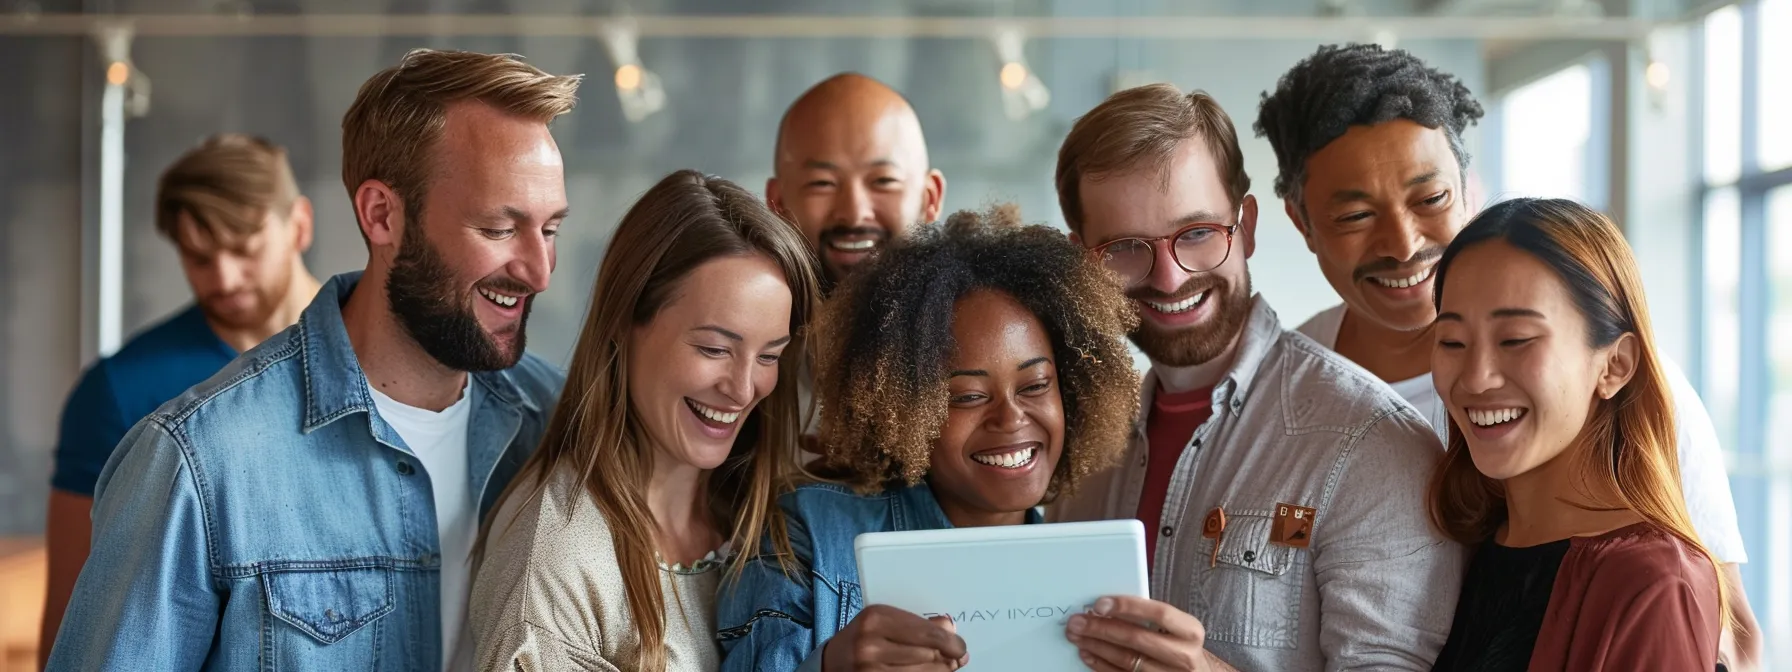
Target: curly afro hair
[[883, 346], [1360, 84]]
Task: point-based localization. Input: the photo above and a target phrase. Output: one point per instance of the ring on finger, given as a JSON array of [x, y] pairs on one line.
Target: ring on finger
[[1137, 661]]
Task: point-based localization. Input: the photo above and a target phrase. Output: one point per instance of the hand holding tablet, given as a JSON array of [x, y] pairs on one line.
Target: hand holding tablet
[[1139, 634], [883, 636], [1009, 592]]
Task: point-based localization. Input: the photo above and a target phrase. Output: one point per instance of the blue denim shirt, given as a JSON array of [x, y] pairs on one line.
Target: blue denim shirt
[[771, 622], [269, 519]]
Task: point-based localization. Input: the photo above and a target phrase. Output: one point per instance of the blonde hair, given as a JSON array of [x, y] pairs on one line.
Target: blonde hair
[[228, 185], [1628, 446], [392, 127], [1140, 128], [686, 220]]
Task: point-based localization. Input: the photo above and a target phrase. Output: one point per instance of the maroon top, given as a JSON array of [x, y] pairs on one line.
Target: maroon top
[[1635, 598]]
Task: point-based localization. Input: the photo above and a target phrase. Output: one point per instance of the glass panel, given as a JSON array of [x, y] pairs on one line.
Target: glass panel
[[1544, 137], [1775, 95], [1723, 252], [1776, 615], [1723, 95]]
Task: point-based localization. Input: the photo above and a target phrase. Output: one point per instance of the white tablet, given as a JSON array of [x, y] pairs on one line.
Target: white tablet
[[1010, 589]]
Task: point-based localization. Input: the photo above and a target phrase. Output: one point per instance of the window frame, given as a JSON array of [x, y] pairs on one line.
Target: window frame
[[1751, 464]]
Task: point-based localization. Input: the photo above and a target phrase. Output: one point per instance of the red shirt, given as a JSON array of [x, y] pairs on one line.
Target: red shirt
[[1172, 423]]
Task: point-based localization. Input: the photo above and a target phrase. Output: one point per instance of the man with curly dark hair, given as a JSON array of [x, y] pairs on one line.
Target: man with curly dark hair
[[973, 371], [1283, 488], [1374, 174]]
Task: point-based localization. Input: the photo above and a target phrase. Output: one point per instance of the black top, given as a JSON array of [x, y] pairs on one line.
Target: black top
[[1504, 596]]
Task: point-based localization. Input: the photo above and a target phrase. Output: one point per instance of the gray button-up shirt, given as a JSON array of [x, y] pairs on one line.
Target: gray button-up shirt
[[1296, 424]]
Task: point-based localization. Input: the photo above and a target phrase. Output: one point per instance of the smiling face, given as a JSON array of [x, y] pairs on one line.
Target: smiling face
[[1513, 362], [1185, 318], [480, 246], [1382, 203], [1004, 430], [706, 359], [851, 171]]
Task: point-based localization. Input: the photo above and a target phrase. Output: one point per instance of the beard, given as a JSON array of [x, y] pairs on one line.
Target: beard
[[421, 292], [1199, 343], [266, 299]]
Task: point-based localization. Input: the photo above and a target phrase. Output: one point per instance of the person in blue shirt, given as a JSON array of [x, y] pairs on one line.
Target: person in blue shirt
[[313, 505], [235, 214], [972, 373]]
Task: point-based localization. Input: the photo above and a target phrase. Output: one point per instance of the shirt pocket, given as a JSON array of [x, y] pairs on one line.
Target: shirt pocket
[[325, 619], [1251, 596]]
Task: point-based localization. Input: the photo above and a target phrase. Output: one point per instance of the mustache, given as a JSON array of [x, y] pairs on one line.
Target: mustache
[[1385, 264], [508, 286], [1193, 286]]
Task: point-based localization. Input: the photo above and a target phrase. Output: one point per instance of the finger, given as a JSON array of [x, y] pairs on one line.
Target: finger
[[1146, 611], [906, 629], [1100, 664], [903, 657], [1175, 653], [1118, 657], [944, 621]]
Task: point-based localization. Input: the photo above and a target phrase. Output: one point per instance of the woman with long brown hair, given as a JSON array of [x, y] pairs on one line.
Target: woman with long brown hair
[[677, 424], [1561, 467]]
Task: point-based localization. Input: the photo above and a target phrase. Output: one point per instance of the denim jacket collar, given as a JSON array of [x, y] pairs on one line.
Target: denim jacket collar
[[928, 515], [335, 386]]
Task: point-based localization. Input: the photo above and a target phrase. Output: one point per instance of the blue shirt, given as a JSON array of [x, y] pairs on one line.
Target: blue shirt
[[269, 519], [768, 621], [117, 391]]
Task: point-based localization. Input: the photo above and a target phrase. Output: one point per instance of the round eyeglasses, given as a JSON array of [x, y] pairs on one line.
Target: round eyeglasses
[[1197, 248]]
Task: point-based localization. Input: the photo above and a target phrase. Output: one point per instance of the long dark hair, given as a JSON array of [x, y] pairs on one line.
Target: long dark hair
[[1628, 445]]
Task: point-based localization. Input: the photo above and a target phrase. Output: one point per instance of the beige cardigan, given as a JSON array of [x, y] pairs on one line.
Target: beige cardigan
[[549, 596]]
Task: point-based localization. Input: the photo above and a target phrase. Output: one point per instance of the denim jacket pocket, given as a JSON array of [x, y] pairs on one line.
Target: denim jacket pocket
[[328, 605], [1252, 593]]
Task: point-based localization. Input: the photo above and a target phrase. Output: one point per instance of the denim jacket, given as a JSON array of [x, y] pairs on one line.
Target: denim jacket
[[269, 519], [770, 622]]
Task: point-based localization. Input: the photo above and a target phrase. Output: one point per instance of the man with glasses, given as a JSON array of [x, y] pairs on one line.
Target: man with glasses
[[1282, 488]]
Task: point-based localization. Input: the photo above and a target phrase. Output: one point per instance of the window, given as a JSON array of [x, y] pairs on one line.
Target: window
[[1723, 342], [1545, 128], [1723, 95], [1747, 293], [1773, 73], [1778, 545]]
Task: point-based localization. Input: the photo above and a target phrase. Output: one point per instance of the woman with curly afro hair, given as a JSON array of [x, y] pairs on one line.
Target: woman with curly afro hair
[[969, 374]]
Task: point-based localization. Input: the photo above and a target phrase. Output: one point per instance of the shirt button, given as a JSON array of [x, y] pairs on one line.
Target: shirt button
[[1250, 556], [1168, 530], [404, 468]]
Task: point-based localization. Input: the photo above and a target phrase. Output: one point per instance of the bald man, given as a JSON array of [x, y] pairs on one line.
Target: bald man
[[851, 170]]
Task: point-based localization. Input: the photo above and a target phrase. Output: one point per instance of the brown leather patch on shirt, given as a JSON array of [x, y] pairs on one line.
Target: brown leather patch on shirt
[[1293, 526]]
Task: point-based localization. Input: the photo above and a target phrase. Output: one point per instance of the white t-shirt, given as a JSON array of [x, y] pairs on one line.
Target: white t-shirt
[[1702, 477], [439, 441]]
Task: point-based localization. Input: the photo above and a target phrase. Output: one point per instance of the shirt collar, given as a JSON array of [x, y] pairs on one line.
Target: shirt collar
[[336, 386], [1262, 330]]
